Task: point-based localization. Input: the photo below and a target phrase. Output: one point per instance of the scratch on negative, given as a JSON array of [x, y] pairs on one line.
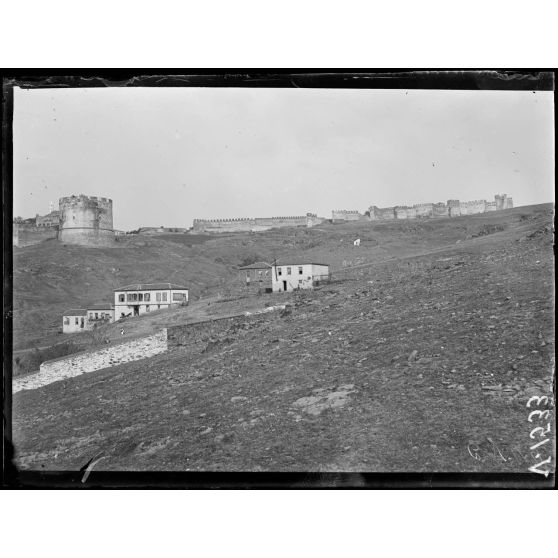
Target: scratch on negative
[[90, 467]]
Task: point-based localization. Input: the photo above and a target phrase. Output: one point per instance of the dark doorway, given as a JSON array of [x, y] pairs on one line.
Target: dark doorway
[[285, 286], [136, 310]]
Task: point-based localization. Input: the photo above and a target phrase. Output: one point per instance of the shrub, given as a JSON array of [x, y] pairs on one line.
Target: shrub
[[32, 360], [252, 258]]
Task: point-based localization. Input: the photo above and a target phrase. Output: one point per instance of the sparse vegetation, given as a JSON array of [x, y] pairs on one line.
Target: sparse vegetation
[[488, 229], [403, 364], [30, 361]]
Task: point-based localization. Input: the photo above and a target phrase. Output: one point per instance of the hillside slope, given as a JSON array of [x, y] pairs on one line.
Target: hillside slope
[[50, 277], [420, 363]]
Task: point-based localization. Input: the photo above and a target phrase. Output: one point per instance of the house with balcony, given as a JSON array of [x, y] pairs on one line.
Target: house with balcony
[[141, 298], [256, 276], [290, 275]]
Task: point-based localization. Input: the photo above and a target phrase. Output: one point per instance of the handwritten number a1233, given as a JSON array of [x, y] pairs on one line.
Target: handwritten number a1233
[[538, 399], [543, 431], [535, 468]]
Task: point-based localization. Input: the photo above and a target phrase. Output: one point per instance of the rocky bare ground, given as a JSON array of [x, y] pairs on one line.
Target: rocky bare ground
[[418, 364]]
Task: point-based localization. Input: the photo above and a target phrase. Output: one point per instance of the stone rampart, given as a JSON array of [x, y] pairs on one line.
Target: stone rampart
[[453, 208], [473, 207], [405, 212], [382, 213], [28, 235], [248, 224], [89, 361], [312, 220], [424, 209], [503, 201], [440, 210], [345, 214]]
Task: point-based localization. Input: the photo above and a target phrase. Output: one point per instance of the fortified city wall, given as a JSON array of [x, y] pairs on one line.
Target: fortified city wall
[[253, 224], [405, 212], [86, 220], [440, 210], [473, 207], [51, 219], [452, 208], [503, 201], [346, 215], [28, 235]]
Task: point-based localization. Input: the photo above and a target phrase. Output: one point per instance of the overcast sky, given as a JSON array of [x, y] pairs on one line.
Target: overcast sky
[[168, 155]]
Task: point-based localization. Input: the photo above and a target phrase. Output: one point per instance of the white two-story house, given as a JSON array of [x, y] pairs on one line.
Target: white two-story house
[[289, 276], [133, 300]]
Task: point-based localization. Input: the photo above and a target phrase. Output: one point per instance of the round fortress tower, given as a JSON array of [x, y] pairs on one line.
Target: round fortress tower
[[86, 220]]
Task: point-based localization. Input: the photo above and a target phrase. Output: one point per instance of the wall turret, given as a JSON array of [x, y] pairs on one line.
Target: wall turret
[[86, 220]]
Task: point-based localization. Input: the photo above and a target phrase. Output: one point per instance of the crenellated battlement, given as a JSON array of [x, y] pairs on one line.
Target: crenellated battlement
[[474, 202], [251, 223], [81, 198], [86, 220], [251, 219], [452, 208]]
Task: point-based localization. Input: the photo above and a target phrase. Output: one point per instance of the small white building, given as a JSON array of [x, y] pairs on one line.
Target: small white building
[[289, 276], [133, 300], [75, 321], [85, 319]]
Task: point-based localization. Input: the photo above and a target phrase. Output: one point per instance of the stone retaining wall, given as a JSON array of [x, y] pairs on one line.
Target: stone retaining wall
[[89, 361], [194, 338]]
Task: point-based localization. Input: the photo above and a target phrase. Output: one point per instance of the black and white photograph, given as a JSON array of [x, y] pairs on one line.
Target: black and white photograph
[[307, 276]]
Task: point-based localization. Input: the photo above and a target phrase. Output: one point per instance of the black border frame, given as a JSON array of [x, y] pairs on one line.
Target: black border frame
[[508, 80]]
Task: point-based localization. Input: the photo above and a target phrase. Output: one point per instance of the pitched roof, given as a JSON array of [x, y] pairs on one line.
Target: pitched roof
[[76, 312], [256, 265], [151, 287], [101, 306], [298, 262]]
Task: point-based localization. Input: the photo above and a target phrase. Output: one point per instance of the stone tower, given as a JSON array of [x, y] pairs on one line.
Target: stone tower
[[86, 220]]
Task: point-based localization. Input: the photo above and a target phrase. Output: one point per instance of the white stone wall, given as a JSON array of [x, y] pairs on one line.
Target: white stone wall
[[81, 363]]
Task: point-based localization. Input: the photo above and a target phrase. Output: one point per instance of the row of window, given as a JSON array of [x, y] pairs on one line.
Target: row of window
[[95, 315], [67, 321], [146, 297], [280, 270], [260, 275], [265, 273]]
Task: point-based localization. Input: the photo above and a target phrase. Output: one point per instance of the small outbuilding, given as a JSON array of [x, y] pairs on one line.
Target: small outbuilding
[[75, 321], [292, 275], [85, 319], [256, 275]]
